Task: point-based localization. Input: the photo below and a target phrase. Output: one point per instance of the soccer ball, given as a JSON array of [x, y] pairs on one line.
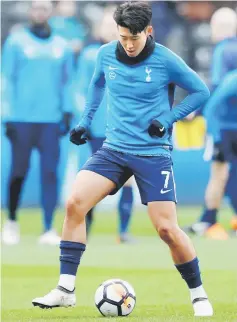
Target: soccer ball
[[115, 298]]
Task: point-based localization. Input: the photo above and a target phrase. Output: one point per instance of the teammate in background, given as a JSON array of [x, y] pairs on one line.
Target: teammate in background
[[37, 68], [139, 76], [65, 23], [224, 27], [103, 33]]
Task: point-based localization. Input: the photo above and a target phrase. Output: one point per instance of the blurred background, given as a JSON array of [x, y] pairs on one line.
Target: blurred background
[[54, 77]]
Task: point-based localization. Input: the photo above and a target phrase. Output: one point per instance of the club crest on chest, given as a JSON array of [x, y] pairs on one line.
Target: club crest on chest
[[148, 72]]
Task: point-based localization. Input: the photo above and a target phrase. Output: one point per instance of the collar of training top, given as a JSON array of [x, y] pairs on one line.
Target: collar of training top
[[41, 31], [146, 52]]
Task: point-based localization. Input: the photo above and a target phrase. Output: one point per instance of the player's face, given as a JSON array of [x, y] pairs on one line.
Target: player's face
[[40, 11], [67, 8], [133, 44]]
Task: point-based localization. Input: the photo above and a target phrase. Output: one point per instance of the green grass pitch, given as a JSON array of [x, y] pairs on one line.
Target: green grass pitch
[[30, 270]]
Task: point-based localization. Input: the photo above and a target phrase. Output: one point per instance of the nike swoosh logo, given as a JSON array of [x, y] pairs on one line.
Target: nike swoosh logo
[[112, 68], [164, 191], [162, 129]]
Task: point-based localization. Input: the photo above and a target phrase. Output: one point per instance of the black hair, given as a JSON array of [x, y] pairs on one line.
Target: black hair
[[135, 16]]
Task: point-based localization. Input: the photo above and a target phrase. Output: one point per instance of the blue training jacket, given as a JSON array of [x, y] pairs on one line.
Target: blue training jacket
[[140, 93], [37, 76], [68, 28], [223, 105], [85, 69], [224, 60]]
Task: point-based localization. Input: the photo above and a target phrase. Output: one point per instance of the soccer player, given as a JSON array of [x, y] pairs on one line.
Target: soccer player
[[223, 26], [66, 24], [140, 77], [221, 111], [105, 32], [37, 68]]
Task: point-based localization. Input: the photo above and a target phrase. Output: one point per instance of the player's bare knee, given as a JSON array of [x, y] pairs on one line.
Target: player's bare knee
[[213, 199], [214, 192], [210, 196], [220, 180], [75, 207], [219, 174], [167, 233]]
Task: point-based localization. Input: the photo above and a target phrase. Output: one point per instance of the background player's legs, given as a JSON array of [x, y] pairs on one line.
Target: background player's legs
[[125, 202], [89, 221], [95, 144], [222, 181], [215, 191], [164, 218], [231, 185], [231, 192], [48, 145], [85, 151], [125, 211], [213, 198], [21, 146]]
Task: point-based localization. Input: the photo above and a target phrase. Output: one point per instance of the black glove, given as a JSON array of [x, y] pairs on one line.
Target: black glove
[[10, 130], [78, 135], [156, 129], [65, 123]]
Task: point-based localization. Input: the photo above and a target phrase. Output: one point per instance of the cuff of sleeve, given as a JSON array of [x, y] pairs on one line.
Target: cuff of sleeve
[[167, 119], [84, 123]]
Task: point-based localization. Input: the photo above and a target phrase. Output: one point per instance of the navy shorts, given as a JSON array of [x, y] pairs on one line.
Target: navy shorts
[[153, 174], [226, 149]]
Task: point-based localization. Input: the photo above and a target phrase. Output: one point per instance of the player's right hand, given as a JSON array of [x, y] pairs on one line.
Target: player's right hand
[[78, 135]]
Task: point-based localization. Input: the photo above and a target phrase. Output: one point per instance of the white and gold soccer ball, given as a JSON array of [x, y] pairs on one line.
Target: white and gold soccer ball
[[115, 297]]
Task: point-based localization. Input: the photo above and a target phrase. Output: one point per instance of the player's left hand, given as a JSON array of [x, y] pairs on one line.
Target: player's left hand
[[156, 129], [65, 123]]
